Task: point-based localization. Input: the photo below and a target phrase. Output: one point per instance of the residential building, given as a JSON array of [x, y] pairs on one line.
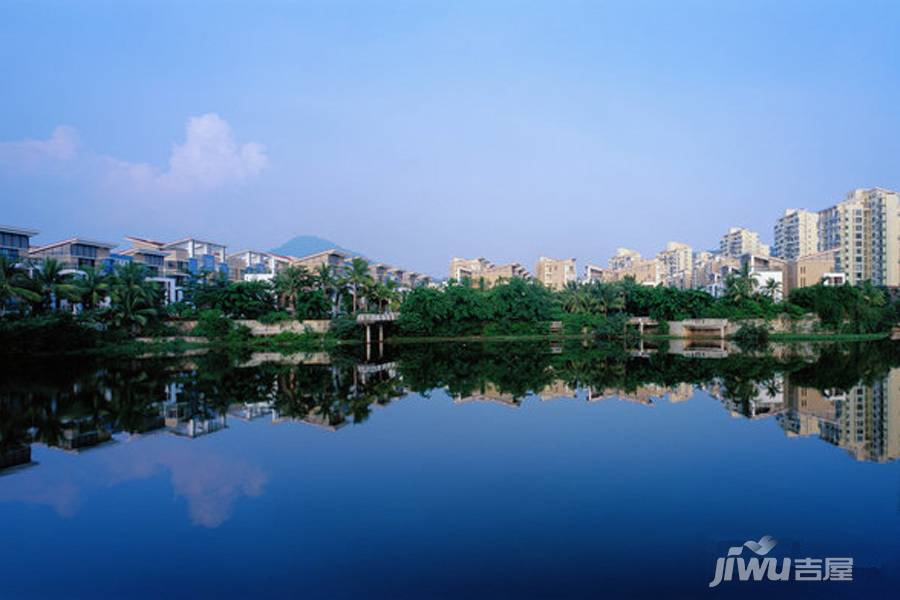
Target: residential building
[[864, 229], [629, 263], [334, 258], [556, 273], [186, 257], [397, 275], [75, 253], [796, 234], [379, 272], [739, 241], [710, 271], [812, 269], [153, 260], [624, 259], [202, 256], [468, 268], [499, 273], [482, 272], [676, 264], [254, 265], [414, 279], [595, 274], [15, 241], [646, 272], [173, 263], [765, 269]]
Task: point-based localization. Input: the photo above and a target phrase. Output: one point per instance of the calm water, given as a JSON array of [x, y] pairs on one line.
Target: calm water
[[520, 470]]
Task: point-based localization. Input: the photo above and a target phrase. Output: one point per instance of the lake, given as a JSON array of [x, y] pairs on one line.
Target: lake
[[452, 470]]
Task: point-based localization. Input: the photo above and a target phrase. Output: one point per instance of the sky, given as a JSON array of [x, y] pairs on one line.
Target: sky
[[419, 131]]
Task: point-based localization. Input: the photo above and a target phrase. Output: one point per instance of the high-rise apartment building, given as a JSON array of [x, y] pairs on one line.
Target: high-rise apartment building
[[480, 271], [676, 264], [864, 230], [624, 259], [468, 268], [796, 234], [555, 273], [739, 241], [596, 274]]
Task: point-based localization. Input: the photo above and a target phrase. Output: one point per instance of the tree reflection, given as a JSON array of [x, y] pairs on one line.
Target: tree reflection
[[74, 405]]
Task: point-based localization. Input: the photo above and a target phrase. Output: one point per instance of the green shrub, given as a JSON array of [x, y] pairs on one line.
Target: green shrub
[[344, 327], [752, 337], [612, 326], [59, 332], [213, 324], [273, 317]]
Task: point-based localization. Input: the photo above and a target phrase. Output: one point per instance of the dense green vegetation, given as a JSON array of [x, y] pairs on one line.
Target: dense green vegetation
[[602, 308], [44, 308]]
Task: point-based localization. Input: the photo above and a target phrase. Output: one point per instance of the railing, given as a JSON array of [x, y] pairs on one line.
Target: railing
[[369, 318]]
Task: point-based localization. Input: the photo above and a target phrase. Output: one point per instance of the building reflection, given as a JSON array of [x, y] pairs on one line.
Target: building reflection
[[864, 420], [97, 407]]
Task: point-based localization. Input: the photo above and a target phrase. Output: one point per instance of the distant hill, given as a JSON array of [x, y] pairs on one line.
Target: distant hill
[[310, 244]]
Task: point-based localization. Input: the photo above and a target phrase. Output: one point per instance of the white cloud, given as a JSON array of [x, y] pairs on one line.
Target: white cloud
[[61, 145], [210, 157], [207, 159]]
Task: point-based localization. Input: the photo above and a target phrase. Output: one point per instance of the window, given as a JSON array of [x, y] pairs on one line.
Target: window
[[13, 240], [83, 251]]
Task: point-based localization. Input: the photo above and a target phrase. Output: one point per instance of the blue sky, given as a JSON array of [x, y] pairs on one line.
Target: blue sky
[[416, 131]]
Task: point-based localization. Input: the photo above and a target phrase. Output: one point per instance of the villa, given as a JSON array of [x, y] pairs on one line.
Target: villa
[[15, 241], [333, 258], [254, 265], [75, 253]]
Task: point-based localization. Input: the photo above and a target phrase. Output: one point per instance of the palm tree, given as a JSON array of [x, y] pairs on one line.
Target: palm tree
[[569, 298], [290, 283], [331, 285], [134, 298], [740, 286], [53, 284], [384, 294], [92, 287], [609, 298], [357, 278], [14, 285], [771, 288]]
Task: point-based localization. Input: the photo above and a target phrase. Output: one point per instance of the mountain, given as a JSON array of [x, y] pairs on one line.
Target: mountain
[[310, 244]]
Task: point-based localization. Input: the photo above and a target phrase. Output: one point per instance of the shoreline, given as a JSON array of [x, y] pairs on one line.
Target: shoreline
[[175, 346]]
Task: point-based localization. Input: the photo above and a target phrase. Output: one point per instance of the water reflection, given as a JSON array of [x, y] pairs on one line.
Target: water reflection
[[847, 395]]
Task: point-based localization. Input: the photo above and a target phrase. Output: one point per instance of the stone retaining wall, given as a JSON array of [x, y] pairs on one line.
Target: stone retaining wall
[[262, 329], [313, 325]]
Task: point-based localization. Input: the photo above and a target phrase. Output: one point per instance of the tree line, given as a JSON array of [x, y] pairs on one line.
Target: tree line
[[519, 306]]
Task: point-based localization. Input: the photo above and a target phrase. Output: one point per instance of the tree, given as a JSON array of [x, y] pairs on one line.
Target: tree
[[14, 285], [570, 297], [358, 278], [134, 299], [53, 284], [290, 283], [771, 288], [740, 286], [384, 295], [331, 285], [91, 287]]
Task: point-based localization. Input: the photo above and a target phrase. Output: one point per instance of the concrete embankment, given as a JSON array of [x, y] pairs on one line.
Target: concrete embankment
[[268, 329]]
